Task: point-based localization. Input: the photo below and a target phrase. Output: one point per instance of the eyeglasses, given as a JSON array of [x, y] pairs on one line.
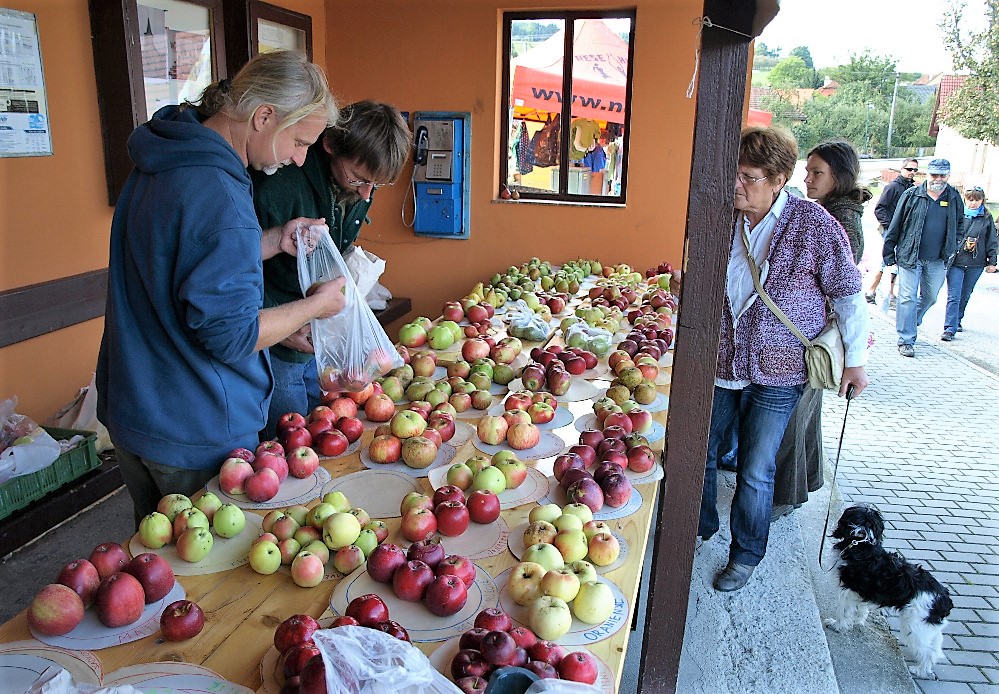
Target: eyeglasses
[[748, 180], [913, 169], [358, 183]]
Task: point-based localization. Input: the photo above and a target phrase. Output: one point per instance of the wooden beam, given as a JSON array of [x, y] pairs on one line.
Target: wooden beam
[[720, 98], [27, 312]]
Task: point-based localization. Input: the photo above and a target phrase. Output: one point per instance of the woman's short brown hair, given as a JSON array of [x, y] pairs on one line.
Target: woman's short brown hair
[[772, 149], [975, 193]]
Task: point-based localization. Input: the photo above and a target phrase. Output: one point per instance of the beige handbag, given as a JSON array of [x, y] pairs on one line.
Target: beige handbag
[[825, 355]]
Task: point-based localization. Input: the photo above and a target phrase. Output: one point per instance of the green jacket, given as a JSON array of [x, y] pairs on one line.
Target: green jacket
[[301, 192], [906, 228]]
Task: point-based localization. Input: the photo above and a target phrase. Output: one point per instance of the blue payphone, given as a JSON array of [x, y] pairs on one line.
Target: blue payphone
[[441, 173]]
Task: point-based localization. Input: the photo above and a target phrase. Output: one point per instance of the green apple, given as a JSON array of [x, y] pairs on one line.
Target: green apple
[[319, 548], [338, 500], [594, 603], [578, 509], [568, 521], [340, 529], [549, 617], [299, 512], [195, 544], [172, 504], [460, 476], [502, 455], [571, 544], [545, 554], [490, 478], [229, 521], [584, 570], [477, 462], [548, 512], [155, 530], [560, 583], [367, 541], [208, 503], [265, 557], [320, 512], [524, 585], [593, 527]]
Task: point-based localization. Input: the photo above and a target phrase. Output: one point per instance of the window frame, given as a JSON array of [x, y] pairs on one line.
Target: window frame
[[569, 17]]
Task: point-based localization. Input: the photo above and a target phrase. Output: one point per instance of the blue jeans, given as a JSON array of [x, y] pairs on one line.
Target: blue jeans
[[960, 283], [918, 288], [760, 414], [296, 389]]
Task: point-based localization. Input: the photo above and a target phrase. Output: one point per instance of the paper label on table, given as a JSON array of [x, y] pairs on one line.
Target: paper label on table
[[226, 553], [579, 389], [445, 454], [550, 444], [517, 548], [376, 491], [21, 662], [534, 487], [90, 634], [557, 496], [172, 676], [292, 491], [419, 621], [580, 633], [442, 657]]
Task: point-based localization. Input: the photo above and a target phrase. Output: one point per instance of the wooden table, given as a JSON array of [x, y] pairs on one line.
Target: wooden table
[[243, 608]]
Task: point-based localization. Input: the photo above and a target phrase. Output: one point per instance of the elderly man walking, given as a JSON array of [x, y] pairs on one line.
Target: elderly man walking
[[922, 235]]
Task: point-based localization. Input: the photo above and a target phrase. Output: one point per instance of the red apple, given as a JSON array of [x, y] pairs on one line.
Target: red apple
[[469, 663], [344, 621], [385, 448], [392, 628], [471, 638], [302, 462], [452, 518], [351, 427], [312, 678], [293, 437], [472, 684], [243, 453], [616, 490], [483, 506], [82, 577], [384, 560], [547, 652], [588, 454], [455, 565], [410, 581], [330, 444], [275, 461], [108, 558], [586, 491], [544, 671], [418, 524], [154, 573], [578, 666], [55, 610], [293, 631], [591, 437], [566, 462], [367, 609], [319, 426], [524, 637], [498, 648], [296, 658], [493, 619], [448, 492], [262, 485], [182, 619], [342, 407], [120, 600], [641, 459], [446, 595], [429, 551]]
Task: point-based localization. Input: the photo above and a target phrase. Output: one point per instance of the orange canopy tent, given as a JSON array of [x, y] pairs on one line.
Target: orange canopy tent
[[599, 74]]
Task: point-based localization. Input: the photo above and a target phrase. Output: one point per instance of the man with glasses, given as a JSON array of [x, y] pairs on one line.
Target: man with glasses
[[365, 151], [884, 211], [922, 235]]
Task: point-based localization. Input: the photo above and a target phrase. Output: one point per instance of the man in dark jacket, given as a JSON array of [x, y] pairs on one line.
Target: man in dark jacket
[[884, 211], [922, 235]]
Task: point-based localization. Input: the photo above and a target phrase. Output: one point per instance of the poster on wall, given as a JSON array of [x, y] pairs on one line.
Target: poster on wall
[[24, 120]]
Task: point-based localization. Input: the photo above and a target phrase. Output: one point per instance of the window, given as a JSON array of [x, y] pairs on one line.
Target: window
[[567, 148]]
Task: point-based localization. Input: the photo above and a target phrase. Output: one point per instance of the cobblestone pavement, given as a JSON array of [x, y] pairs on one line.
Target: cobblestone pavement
[[921, 445]]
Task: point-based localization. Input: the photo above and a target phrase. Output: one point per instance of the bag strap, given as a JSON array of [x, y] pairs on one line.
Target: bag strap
[[755, 272]]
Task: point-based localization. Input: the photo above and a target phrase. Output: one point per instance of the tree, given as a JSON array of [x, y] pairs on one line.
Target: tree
[[803, 53], [973, 109], [792, 73]]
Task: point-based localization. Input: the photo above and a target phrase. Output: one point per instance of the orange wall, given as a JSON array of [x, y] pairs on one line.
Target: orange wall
[[445, 56], [54, 217]]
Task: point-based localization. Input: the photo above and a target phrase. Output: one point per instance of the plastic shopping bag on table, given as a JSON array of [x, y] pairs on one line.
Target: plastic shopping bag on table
[[352, 349], [360, 660], [365, 268]]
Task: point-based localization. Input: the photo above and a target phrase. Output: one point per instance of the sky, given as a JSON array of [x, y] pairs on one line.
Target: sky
[[908, 31]]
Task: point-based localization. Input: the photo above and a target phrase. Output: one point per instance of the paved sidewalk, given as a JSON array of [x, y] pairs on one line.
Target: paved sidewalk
[[921, 444]]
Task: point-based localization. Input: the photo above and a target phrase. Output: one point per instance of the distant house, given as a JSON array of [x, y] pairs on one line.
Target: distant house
[[973, 162]]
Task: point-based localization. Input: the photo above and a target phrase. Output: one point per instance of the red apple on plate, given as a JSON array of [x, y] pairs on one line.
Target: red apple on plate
[[546, 652], [446, 595], [469, 663], [393, 629], [120, 600], [154, 573], [493, 619], [410, 581], [472, 684], [578, 666], [293, 631], [293, 437], [471, 638], [262, 485], [418, 524], [302, 462], [55, 610], [182, 619], [429, 551], [452, 518], [448, 492], [483, 506], [456, 565], [82, 577], [351, 427], [108, 558], [367, 609], [330, 444], [296, 658], [384, 560]]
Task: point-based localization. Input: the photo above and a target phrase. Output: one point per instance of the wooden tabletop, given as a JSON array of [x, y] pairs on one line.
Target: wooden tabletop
[[243, 608]]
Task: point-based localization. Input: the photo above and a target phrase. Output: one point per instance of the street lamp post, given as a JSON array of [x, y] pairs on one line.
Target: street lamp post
[[867, 130]]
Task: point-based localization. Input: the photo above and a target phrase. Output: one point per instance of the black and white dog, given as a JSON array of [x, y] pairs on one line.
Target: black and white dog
[[870, 577]]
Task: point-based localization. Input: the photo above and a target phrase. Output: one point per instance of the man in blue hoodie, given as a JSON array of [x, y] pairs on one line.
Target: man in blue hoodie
[[183, 375]]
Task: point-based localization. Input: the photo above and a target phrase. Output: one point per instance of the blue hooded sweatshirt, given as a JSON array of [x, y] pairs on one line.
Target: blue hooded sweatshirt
[[178, 379]]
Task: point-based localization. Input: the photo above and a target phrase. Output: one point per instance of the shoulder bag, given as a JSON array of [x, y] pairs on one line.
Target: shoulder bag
[[825, 355]]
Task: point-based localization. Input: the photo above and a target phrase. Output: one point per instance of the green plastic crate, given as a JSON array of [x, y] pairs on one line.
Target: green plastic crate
[[21, 491]]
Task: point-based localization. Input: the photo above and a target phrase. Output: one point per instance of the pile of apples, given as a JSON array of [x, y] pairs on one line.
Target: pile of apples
[[476, 313], [594, 474], [613, 444], [189, 525], [329, 429], [493, 642], [413, 435], [447, 512], [501, 471], [307, 539], [573, 531], [300, 667], [620, 297], [424, 573], [118, 588]]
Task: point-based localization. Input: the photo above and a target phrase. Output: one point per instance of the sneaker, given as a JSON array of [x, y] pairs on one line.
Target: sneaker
[[960, 329], [871, 298], [947, 336], [906, 350], [733, 577]]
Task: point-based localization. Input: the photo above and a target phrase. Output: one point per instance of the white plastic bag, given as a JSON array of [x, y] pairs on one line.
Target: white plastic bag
[[365, 268], [360, 660], [56, 680], [81, 414], [352, 349]]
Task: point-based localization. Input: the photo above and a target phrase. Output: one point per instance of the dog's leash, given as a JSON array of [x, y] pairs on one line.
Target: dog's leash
[[832, 485]]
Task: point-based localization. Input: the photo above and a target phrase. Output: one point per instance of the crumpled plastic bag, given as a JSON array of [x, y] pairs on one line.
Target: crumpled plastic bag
[[56, 680], [525, 323], [365, 268], [361, 660], [24, 446]]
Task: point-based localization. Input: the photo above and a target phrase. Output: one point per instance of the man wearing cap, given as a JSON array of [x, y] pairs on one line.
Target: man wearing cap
[[922, 235], [884, 211]]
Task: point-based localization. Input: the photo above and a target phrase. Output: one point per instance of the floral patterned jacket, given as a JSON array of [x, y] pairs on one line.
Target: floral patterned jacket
[[810, 261]]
